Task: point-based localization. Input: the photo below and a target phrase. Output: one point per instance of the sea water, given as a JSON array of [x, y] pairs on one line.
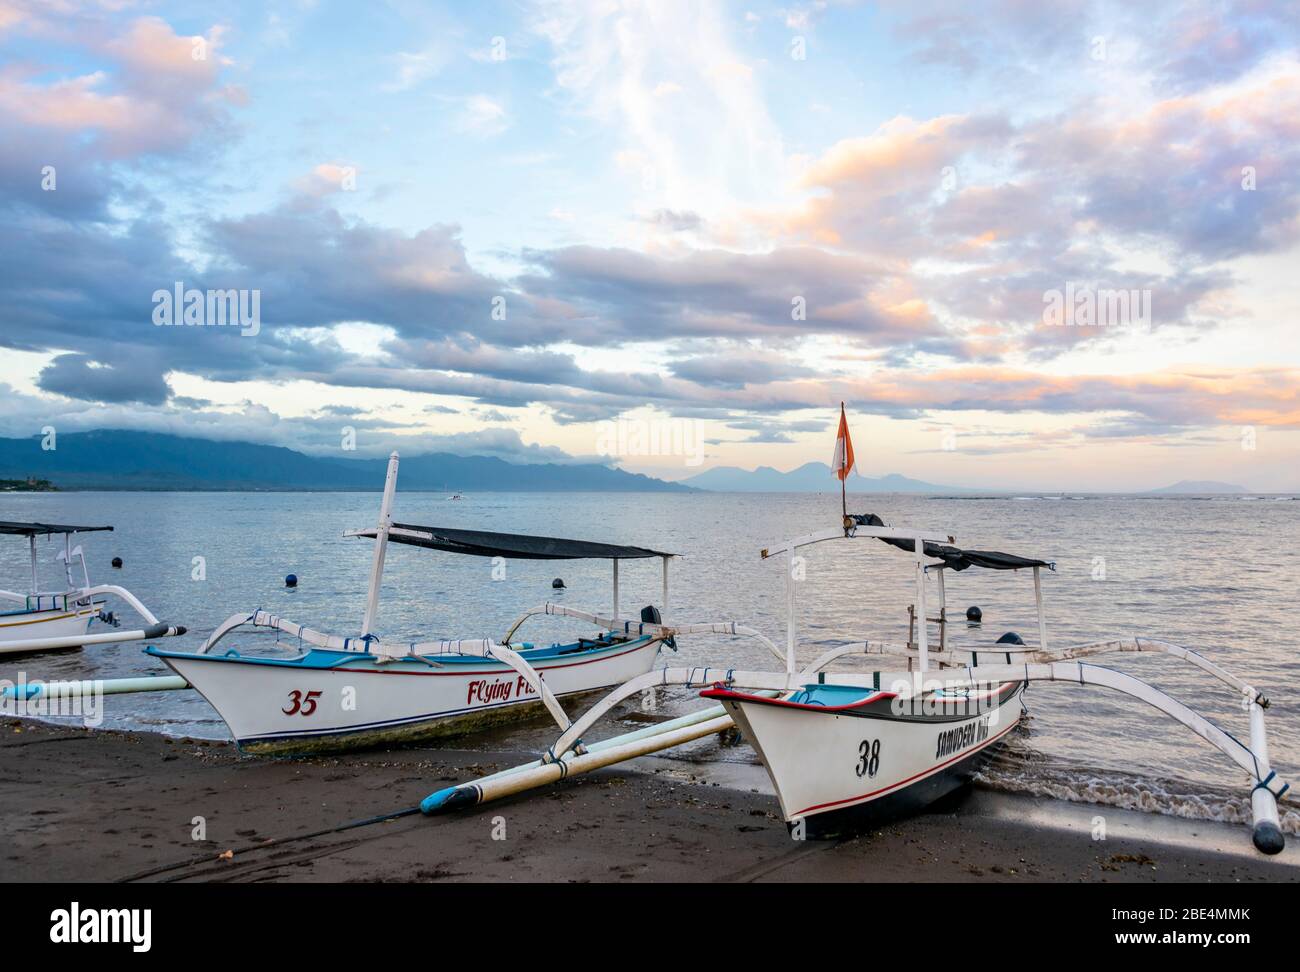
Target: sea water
[[1214, 574]]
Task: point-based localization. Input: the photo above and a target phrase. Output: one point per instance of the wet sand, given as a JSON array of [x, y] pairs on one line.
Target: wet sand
[[79, 805]]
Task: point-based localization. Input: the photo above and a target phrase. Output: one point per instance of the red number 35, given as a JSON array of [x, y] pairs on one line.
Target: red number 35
[[301, 703]]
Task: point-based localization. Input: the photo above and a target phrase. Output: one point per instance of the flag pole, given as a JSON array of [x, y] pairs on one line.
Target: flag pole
[[844, 498]]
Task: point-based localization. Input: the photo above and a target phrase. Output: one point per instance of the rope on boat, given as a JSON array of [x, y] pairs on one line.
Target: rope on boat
[[1264, 784]]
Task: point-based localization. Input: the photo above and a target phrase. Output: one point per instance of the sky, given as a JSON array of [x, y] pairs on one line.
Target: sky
[[1049, 246]]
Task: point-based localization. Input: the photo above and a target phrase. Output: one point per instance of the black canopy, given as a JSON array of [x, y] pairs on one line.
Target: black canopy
[[518, 546], [14, 528], [954, 557]]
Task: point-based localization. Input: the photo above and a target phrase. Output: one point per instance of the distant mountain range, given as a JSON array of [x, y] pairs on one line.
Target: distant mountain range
[[116, 459], [811, 477], [816, 477], [1199, 486], [119, 459]]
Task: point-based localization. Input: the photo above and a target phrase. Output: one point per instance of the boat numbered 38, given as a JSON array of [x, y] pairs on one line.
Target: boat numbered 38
[[846, 750]]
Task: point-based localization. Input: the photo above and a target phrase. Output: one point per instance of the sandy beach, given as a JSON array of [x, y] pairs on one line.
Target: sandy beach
[[79, 805]]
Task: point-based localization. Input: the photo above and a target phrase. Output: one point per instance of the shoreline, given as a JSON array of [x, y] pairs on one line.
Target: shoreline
[[112, 805]]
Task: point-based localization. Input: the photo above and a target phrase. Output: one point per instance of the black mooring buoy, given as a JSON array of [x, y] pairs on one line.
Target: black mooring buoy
[[117, 562], [974, 614], [557, 584], [1011, 638], [291, 580]]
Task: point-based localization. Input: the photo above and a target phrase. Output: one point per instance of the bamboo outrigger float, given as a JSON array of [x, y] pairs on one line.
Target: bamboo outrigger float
[[61, 620], [848, 750]]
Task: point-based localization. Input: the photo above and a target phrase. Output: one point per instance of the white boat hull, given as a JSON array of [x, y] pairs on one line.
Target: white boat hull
[[838, 769], [72, 622], [286, 706]]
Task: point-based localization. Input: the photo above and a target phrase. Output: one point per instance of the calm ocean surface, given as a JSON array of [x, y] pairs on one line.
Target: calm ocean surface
[[1217, 575]]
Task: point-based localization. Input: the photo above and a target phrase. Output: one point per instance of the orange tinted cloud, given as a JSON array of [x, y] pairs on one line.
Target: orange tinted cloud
[[157, 92]]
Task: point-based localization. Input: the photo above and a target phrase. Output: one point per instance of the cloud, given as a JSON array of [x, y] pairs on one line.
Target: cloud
[[252, 422], [61, 135], [1175, 397], [416, 67], [482, 116], [159, 92], [1012, 39], [81, 376], [421, 283], [676, 222], [633, 66], [327, 178], [914, 295], [982, 215], [733, 367], [619, 295]]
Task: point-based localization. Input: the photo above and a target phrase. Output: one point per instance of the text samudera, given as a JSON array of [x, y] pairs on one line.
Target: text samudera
[[963, 737]]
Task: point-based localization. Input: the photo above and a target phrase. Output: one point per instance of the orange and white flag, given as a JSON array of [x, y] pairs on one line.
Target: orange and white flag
[[842, 463]]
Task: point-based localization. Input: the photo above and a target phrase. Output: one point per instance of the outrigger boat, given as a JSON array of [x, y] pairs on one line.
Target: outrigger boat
[[59, 620], [845, 751], [344, 691]]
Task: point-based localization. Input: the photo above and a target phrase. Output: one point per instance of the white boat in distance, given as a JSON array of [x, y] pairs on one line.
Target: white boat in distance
[[61, 620], [339, 692]]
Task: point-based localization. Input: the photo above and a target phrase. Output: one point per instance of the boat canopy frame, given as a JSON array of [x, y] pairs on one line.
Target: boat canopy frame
[[482, 543], [925, 543]]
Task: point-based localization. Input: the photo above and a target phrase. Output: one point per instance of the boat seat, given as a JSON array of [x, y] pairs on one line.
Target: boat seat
[[46, 602]]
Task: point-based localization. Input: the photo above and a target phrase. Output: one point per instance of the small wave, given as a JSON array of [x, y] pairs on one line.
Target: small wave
[[1030, 772]]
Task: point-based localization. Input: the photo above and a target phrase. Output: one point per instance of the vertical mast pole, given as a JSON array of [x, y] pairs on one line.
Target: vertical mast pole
[[381, 547], [1042, 621], [844, 475], [922, 636], [67, 558], [665, 598], [615, 587], [789, 599], [32, 543], [943, 611]]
